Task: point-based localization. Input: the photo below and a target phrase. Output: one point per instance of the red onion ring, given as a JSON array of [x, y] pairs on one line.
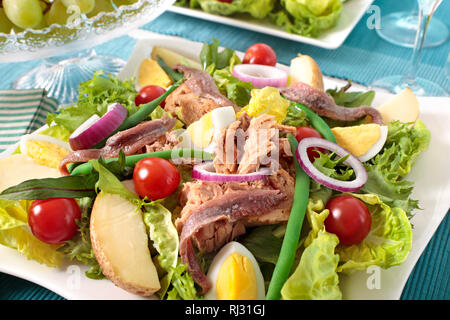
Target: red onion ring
[[261, 75], [206, 172], [314, 173], [95, 129]]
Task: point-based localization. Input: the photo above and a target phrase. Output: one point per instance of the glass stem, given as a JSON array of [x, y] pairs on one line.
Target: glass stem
[[425, 12]]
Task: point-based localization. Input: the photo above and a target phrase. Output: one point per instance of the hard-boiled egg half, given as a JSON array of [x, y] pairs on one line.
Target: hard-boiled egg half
[[235, 275], [202, 133], [43, 149], [364, 141]]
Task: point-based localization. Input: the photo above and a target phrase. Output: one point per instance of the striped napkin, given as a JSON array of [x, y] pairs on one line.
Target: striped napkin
[[22, 112]]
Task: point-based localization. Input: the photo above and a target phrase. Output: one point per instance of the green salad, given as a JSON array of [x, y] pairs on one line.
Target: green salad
[[303, 17], [141, 196]]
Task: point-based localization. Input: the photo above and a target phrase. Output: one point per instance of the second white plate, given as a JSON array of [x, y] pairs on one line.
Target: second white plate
[[352, 12]]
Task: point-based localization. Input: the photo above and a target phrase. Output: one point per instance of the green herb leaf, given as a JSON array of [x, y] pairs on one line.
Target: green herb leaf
[[62, 187]]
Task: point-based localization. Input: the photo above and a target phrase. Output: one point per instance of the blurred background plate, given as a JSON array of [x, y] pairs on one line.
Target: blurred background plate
[[352, 12]]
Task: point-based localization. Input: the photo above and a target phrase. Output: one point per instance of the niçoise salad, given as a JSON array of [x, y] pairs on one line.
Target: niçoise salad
[[217, 179]]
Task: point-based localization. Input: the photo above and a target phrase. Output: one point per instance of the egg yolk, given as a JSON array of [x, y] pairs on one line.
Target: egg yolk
[[236, 279], [202, 131], [358, 139], [45, 153]]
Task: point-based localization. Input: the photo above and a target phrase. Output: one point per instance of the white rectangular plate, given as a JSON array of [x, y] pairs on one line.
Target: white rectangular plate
[[431, 175], [352, 12]]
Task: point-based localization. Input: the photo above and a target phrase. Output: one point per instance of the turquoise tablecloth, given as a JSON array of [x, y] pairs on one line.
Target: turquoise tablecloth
[[363, 58]]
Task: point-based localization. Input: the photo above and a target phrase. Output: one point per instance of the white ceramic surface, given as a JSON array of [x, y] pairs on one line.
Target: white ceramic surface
[[352, 12], [431, 175]]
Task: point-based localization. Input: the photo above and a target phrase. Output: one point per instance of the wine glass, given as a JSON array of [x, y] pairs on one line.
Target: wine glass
[[67, 49], [400, 28], [420, 86]]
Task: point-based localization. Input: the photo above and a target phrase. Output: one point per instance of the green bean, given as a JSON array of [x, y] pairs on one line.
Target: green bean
[[317, 122], [141, 114], [130, 161], [173, 75], [294, 226]]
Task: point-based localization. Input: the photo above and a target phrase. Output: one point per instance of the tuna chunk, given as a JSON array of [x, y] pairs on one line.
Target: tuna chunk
[[197, 96]]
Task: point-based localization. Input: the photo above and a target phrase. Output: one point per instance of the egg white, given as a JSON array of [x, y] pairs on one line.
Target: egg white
[[219, 259], [377, 146], [221, 118]]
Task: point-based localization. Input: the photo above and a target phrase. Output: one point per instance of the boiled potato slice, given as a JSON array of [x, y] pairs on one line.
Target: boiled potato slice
[[304, 69], [120, 243], [403, 107], [173, 58], [18, 168], [150, 73]]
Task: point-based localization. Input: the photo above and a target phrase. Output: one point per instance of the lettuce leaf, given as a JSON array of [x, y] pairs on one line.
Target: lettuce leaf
[[220, 66], [389, 168], [15, 234], [256, 8], [164, 236], [95, 96], [388, 243], [315, 277], [80, 247], [307, 17]]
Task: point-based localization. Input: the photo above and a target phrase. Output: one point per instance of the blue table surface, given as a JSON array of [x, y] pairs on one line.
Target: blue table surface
[[363, 58]]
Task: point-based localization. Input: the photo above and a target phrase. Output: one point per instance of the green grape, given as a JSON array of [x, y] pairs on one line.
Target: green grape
[[101, 6], [5, 24], [23, 13], [85, 6], [57, 13]]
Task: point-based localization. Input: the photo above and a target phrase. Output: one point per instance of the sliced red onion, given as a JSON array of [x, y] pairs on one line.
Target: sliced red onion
[[314, 173], [206, 172], [260, 75], [95, 129]]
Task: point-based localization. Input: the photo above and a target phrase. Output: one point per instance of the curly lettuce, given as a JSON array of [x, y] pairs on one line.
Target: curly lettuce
[[95, 96], [387, 171]]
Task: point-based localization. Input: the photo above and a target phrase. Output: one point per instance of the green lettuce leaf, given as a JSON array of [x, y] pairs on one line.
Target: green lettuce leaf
[[387, 171], [95, 96], [183, 287], [352, 99], [388, 243], [220, 66], [256, 8], [315, 277], [295, 117], [307, 17], [79, 247], [164, 236], [15, 234]]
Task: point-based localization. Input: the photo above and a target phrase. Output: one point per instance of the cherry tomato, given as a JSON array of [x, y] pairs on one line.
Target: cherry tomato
[[349, 219], [54, 220], [148, 94], [227, 1], [260, 53], [155, 178], [308, 132]]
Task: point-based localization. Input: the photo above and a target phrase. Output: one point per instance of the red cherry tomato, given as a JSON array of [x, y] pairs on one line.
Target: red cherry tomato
[[349, 219], [308, 132], [260, 53], [54, 220], [148, 94], [155, 178]]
